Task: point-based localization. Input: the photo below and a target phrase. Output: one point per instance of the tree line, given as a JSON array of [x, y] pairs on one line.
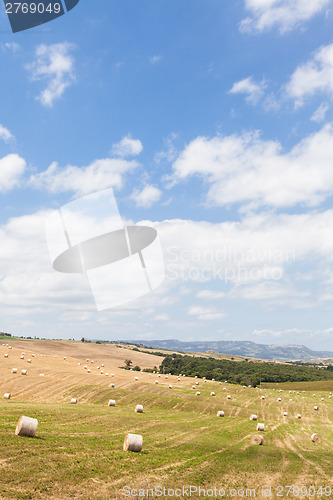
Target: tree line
[[241, 372]]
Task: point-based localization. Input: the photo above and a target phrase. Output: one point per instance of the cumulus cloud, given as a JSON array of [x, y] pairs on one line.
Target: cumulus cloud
[[210, 295], [253, 172], [281, 14], [250, 88], [55, 66], [312, 77], [127, 147], [147, 196], [12, 168], [100, 174], [205, 313], [5, 134]]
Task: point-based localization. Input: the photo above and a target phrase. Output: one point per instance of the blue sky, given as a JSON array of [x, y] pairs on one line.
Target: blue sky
[[212, 122]]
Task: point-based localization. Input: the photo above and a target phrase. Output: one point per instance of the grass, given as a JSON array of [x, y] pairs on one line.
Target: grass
[[77, 452], [78, 449]]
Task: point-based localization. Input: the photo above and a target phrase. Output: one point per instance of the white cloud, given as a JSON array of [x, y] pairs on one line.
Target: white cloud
[[282, 14], [12, 168], [147, 196], [155, 59], [313, 77], [54, 65], [320, 113], [205, 313], [13, 46], [254, 172], [250, 88], [278, 250], [127, 147], [162, 317], [100, 174], [169, 153], [210, 295], [5, 134], [28, 282]]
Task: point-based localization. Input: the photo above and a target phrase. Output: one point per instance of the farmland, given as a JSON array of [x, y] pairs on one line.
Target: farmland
[[77, 451]]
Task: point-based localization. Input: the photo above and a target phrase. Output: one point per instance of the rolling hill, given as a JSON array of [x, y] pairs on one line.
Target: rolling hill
[[240, 348]]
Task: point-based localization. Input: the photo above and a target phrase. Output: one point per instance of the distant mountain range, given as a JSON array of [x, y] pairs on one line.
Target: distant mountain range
[[240, 348]]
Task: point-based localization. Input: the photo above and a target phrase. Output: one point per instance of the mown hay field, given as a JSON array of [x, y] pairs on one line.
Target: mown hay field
[[77, 451]]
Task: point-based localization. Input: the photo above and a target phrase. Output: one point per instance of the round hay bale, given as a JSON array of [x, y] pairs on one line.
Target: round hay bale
[[170, 386], [112, 374], [316, 438], [106, 374], [197, 393], [22, 357], [26, 426], [228, 397], [193, 387], [33, 355], [285, 414], [136, 378], [316, 408], [212, 393], [102, 365], [14, 370], [98, 368], [262, 397], [73, 401], [322, 399], [7, 395], [88, 371], [111, 402], [9, 347], [29, 360], [85, 367], [298, 415], [220, 413], [79, 364], [220, 383], [139, 409], [260, 427], [178, 379], [133, 442], [257, 439], [279, 399], [254, 417], [23, 372], [224, 388], [166, 376], [65, 357], [112, 385], [102, 372], [156, 381], [41, 374], [197, 383], [6, 356]]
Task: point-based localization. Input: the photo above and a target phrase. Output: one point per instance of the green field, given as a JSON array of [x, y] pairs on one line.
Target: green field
[[78, 449]]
